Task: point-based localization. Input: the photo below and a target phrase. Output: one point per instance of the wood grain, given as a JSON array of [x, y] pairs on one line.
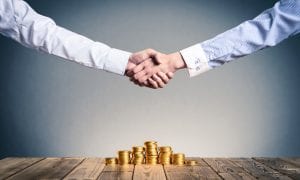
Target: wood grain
[[227, 169], [222, 165], [149, 172], [236, 176], [10, 166], [257, 169], [94, 168], [121, 172], [282, 166], [119, 168], [190, 172], [89, 169], [295, 161], [200, 171], [111, 175], [49, 168]]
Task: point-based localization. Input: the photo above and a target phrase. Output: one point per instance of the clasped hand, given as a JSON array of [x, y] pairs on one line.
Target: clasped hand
[[150, 68]]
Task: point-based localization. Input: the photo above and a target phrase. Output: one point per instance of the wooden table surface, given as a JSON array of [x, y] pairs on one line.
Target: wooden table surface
[[94, 168]]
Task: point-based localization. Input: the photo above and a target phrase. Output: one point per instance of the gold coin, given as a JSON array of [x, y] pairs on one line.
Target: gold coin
[[191, 162], [138, 155], [137, 148], [111, 160], [150, 142], [124, 152], [178, 155], [165, 149]]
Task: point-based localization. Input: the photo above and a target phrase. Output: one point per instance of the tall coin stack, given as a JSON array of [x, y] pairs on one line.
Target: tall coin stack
[[124, 157], [178, 159], [165, 155], [151, 152], [138, 155]]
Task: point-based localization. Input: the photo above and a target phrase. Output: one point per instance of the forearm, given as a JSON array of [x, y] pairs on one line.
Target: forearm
[[268, 29], [21, 23], [77, 48]]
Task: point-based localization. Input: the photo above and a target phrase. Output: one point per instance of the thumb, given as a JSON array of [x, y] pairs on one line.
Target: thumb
[[141, 56], [158, 58]]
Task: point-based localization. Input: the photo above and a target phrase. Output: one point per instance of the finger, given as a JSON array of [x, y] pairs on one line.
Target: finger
[[160, 83], [146, 73], [146, 83], [138, 84], [170, 75], [153, 83], [157, 59], [139, 75], [142, 65], [142, 55], [142, 84], [138, 68], [163, 76]]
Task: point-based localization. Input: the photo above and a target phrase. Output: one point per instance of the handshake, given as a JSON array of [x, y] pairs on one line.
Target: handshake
[[152, 69]]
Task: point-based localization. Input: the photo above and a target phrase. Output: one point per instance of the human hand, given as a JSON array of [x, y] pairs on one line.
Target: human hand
[[156, 72], [137, 58], [158, 80]]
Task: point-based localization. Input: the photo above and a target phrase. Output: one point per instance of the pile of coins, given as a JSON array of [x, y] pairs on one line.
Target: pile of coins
[[149, 154], [124, 157], [138, 155], [178, 159], [165, 155]]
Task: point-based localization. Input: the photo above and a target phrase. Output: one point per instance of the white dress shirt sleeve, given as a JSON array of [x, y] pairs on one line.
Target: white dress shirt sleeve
[[268, 29], [21, 23]]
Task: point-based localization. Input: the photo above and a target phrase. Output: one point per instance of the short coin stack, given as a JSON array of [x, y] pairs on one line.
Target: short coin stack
[[138, 155], [151, 152], [165, 155], [178, 159], [111, 161], [191, 162], [124, 157]]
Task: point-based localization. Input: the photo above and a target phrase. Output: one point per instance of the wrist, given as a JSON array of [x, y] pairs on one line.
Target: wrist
[[177, 61]]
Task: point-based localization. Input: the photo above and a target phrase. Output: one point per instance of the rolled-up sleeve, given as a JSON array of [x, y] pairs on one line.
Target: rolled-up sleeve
[[21, 23], [267, 29]]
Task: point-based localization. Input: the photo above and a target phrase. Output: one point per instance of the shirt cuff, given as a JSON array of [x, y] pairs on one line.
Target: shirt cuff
[[196, 60], [116, 61]]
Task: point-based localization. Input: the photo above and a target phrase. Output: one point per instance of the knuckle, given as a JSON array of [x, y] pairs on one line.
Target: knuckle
[[147, 63], [140, 80], [148, 70], [144, 79], [149, 49], [136, 70], [136, 76]]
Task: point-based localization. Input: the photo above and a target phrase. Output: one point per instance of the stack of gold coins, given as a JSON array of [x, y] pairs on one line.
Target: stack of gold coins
[[124, 157], [111, 161], [138, 155], [178, 159], [165, 155], [151, 152]]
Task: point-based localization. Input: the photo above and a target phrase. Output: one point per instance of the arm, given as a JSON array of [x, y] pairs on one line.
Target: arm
[[21, 23], [268, 29]]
